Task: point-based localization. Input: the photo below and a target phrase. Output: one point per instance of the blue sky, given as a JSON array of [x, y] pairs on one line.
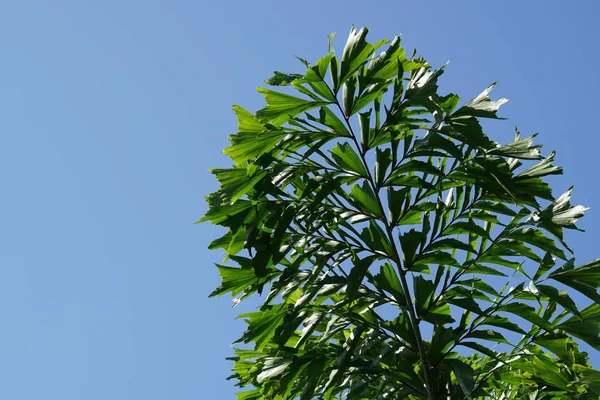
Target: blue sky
[[111, 114]]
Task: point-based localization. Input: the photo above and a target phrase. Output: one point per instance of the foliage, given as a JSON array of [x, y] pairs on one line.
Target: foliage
[[401, 252]]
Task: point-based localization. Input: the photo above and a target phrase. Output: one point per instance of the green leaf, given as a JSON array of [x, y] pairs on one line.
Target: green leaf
[[315, 370], [364, 123], [561, 213], [383, 161], [549, 372], [439, 315], [479, 284], [409, 242], [521, 149], [348, 91], [560, 296], [502, 322], [467, 130], [234, 280], [461, 228], [347, 159], [365, 200], [466, 303], [282, 79], [590, 376], [589, 272], [536, 238], [558, 346], [341, 364], [423, 290], [527, 313], [249, 146], [495, 207], [262, 325], [376, 239], [436, 258], [483, 269], [481, 106], [422, 86], [219, 213], [329, 119], [416, 166], [583, 287], [585, 279], [407, 181], [489, 334], [235, 183], [385, 66], [441, 340], [282, 107], [452, 244], [436, 141], [543, 168], [357, 273], [387, 279], [355, 53], [480, 348], [585, 330], [273, 367], [253, 394], [500, 261], [546, 263], [368, 96], [396, 200], [509, 247], [247, 123], [464, 375]]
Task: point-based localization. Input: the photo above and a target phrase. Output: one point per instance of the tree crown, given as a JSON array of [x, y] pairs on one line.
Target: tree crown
[[401, 252]]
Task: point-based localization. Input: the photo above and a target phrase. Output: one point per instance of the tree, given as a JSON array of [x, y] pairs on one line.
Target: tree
[[400, 251]]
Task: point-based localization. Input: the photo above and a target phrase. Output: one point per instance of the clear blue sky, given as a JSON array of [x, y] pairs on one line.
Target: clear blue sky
[[111, 114]]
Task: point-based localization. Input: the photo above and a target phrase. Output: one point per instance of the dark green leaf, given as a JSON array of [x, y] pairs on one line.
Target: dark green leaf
[[282, 79], [452, 244], [547, 262], [365, 200], [357, 273], [521, 149], [409, 242], [423, 290], [387, 279], [376, 239], [464, 374], [383, 161], [536, 238], [543, 168], [487, 335], [460, 228]]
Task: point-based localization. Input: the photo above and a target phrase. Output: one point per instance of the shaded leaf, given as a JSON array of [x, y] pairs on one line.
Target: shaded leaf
[[464, 374]]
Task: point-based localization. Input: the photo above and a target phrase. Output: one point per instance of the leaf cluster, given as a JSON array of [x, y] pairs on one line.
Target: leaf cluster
[[401, 252]]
